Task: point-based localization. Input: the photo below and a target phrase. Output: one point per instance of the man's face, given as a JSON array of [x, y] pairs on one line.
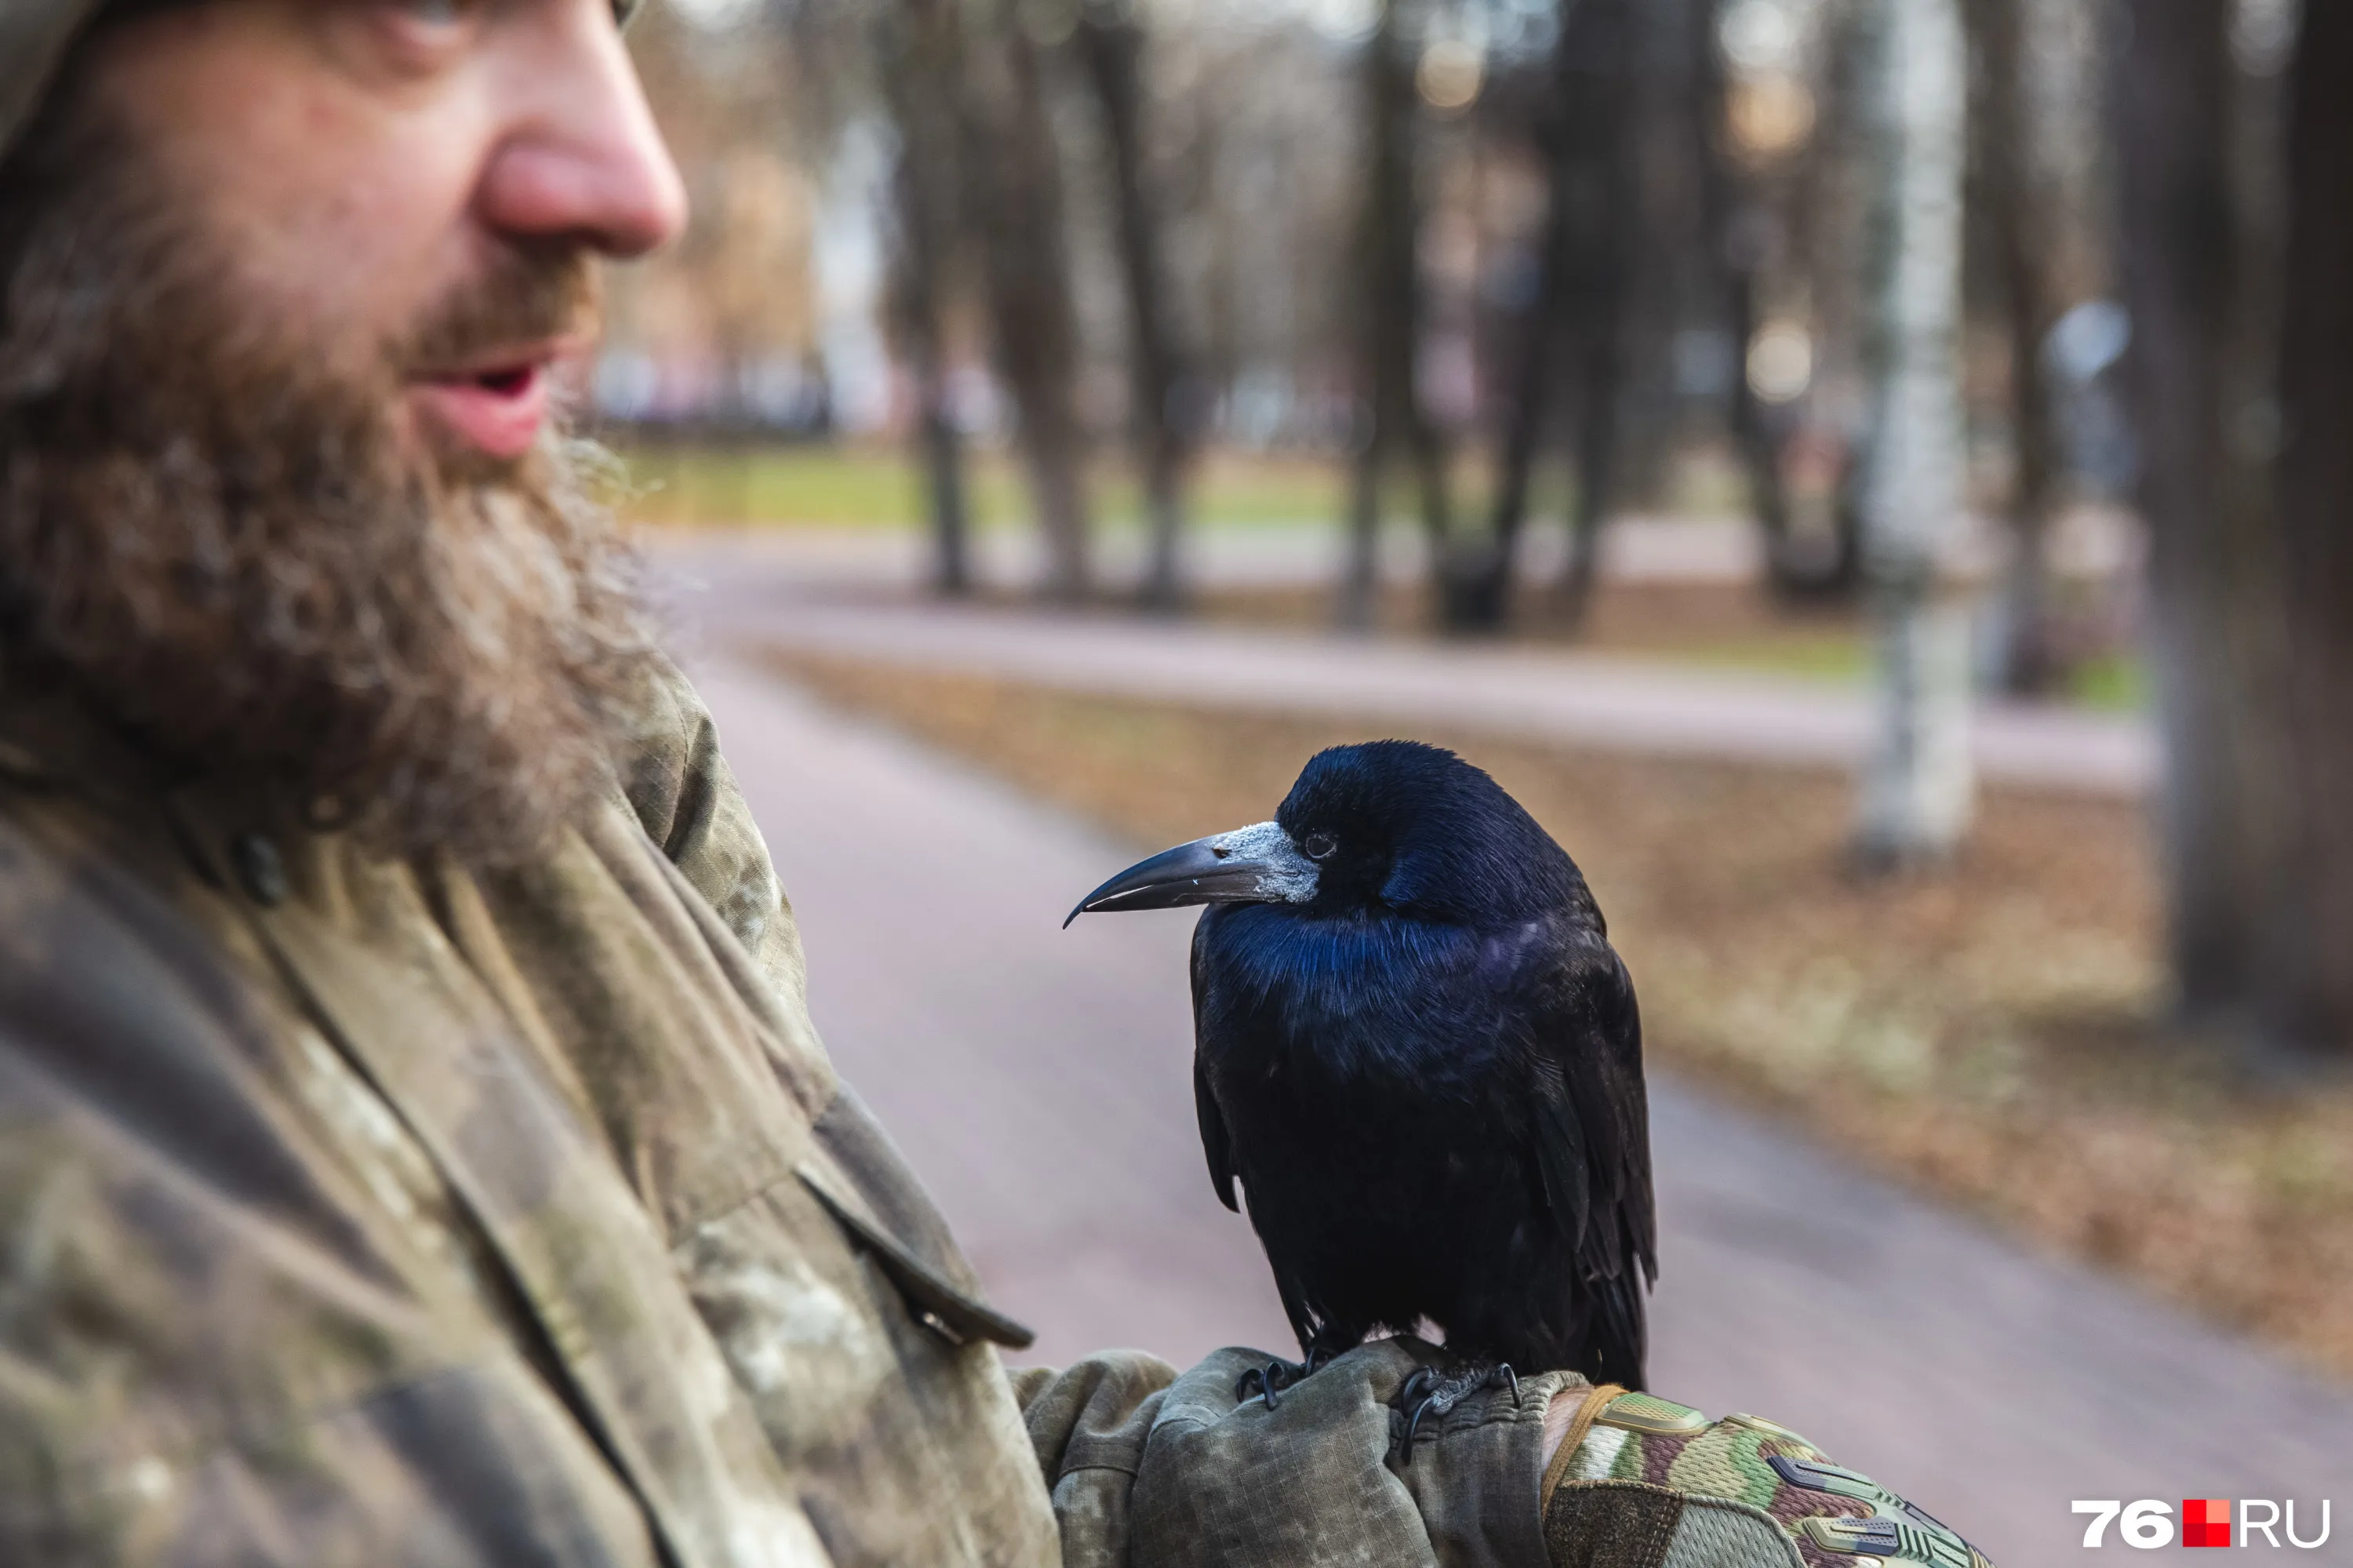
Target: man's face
[[281, 285], [374, 158]]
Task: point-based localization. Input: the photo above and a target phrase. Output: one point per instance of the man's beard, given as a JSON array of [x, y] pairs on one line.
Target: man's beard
[[226, 544]]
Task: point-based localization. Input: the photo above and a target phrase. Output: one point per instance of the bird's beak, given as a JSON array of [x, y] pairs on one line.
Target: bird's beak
[[1257, 864]]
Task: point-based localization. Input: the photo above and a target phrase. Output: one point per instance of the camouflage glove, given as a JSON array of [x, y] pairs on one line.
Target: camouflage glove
[[1642, 1483], [1322, 1476], [1147, 1466]]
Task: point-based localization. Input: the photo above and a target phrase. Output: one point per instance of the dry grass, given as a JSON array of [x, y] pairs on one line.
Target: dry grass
[[1631, 617], [1706, 623], [1988, 1033], [1734, 625]]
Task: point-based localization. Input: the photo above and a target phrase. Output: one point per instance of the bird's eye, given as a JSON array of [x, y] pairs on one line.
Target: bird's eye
[[1318, 845]]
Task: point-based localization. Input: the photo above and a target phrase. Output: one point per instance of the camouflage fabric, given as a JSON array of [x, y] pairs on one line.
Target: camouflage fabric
[[1657, 1485], [354, 1212], [366, 1213]]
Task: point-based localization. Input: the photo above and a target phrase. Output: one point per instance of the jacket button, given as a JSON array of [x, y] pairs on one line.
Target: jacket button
[[260, 868]]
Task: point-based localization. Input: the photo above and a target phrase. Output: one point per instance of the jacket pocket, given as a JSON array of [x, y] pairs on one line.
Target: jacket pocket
[[946, 1309]]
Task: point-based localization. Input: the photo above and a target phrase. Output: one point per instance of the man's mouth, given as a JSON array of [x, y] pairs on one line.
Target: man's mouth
[[497, 406]]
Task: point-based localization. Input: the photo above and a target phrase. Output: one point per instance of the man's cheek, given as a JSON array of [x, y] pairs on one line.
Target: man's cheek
[[343, 225]]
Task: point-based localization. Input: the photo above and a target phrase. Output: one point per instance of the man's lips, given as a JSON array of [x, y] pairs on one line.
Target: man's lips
[[496, 405]]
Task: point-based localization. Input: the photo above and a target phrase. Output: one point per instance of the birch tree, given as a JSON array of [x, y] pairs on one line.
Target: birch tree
[[1918, 784]]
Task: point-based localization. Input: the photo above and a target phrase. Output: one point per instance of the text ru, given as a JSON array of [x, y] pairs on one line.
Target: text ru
[[2205, 1521]]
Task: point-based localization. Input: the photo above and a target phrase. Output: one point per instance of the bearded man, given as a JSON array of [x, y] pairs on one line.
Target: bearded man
[[414, 1147]]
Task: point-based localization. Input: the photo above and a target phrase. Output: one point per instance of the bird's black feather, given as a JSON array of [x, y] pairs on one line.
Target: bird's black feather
[[1213, 1136], [1427, 1076]]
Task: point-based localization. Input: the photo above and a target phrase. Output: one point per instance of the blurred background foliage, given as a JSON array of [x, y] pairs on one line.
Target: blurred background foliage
[[1514, 267], [1970, 352]]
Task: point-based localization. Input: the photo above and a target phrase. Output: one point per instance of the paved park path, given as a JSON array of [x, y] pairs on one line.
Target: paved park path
[[1039, 1080], [771, 588]]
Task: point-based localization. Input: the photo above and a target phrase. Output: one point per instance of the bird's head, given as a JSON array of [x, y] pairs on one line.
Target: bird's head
[[1386, 825]]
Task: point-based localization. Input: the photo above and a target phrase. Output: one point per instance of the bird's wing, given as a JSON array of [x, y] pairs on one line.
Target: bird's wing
[[1213, 1136], [1592, 1131], [1215, 1145], [1560, 1153]]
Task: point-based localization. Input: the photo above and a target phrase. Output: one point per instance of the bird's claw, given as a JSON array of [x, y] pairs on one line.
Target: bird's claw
[[1427, 1392], [1268, 1382]]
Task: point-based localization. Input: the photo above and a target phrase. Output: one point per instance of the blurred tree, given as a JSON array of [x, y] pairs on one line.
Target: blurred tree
[[1784, 144], [1015, 182], [1917, 785], [918, 49], [2200, 214], [1385, 272], [1674, 356], [1840, 209], [2017, 212], [1257, 174], [2314, 1003], [1735, 221], [1111, 43], [1590, 226], [736, 297]]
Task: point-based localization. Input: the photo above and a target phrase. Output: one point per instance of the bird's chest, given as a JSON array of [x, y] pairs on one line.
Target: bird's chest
[[1357, 1055]]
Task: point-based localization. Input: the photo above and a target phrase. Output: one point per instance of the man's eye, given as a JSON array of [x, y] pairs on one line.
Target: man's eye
[[411, 38], [1318, 845], [438, 12]]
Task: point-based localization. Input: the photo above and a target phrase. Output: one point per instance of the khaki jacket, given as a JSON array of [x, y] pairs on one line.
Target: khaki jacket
[[366, 1213]]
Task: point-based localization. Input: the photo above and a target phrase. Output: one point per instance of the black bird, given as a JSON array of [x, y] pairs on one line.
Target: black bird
[[1417, 1050]]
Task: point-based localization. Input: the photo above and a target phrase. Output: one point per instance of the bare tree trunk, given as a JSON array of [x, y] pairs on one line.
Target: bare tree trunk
[[2195, 282], [1360, 575], [1828, 222], [1387, 288], [1723, 197], [1482, 602], [1017, 188], [1597, 453], [1580, 304], [944, 474], [2311, 1004], [917, 48], [2020, 220], [1401, 242], [1480, 596], [1111, 42], [1917, 787]]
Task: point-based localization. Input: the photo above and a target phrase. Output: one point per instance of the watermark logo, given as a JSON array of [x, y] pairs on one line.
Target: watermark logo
[[2148, 1523], [2205, 1521]]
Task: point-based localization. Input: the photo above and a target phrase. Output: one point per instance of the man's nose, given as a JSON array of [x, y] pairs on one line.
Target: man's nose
[[582, 159]]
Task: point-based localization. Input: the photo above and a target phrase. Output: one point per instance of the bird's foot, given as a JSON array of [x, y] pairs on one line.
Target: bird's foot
[[1268, 1381], [1429, 1393]]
